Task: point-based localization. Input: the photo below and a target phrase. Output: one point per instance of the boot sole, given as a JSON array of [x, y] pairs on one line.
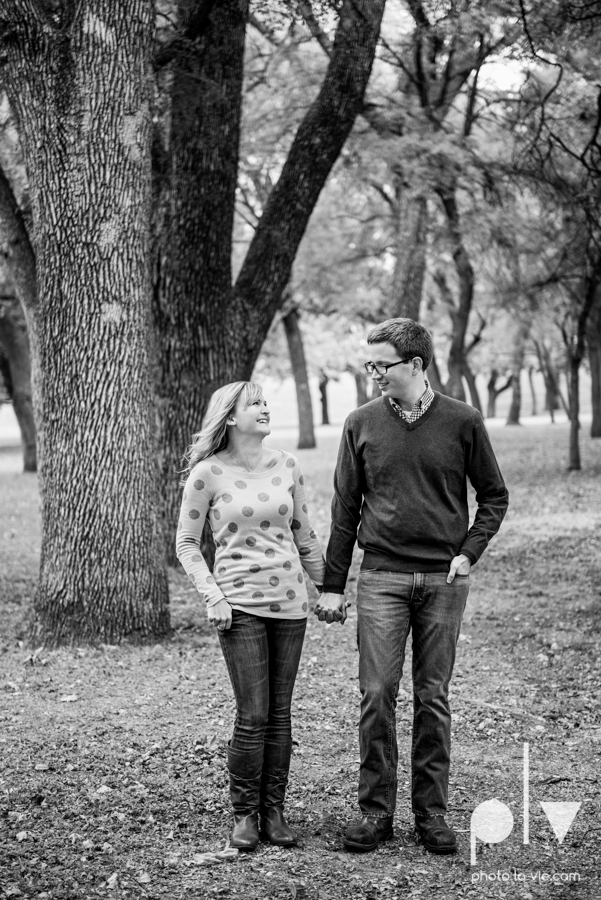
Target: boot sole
[[356, 847], [290, 843], [247, 847], [438, 850]]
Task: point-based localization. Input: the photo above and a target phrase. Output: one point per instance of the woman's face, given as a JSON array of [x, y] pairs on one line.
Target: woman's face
[[252, 419]]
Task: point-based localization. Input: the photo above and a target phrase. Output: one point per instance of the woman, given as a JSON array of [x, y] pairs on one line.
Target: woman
[[255, 502]]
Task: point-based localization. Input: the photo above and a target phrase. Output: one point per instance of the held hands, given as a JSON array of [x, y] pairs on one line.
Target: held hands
[[332, 608], [220, 614], [460, 565]]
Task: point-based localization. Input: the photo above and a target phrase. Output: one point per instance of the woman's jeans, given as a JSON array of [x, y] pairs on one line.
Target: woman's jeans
[[262, 657], [388, 605]]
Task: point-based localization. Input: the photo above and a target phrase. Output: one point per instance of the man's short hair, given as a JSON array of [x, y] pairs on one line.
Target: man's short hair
[[408, 338]]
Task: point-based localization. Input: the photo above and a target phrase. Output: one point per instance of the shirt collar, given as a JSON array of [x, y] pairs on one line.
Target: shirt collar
[[425, 398]]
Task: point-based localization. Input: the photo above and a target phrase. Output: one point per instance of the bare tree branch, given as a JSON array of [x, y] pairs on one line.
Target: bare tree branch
[[306, 11]]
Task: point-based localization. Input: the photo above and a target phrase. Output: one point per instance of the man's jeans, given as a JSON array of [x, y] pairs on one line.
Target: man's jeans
[[262, 657], [388, 605]]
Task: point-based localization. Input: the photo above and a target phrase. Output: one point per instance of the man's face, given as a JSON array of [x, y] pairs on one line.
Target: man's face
[[397, 380]]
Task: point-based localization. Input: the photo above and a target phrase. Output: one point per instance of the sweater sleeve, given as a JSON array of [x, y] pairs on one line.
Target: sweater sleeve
[[346, 513], [307, 542], [196, 501], [491, 494]]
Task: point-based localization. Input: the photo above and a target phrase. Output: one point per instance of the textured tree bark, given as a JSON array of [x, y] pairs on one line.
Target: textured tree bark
[[199, 339], [306, 429], [411, 222], [102, 572], [14, 346], [323, 395], [208, 331], [594, 355]]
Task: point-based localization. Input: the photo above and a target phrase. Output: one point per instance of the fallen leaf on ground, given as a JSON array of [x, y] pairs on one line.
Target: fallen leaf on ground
[[111, 881], [143, 878]]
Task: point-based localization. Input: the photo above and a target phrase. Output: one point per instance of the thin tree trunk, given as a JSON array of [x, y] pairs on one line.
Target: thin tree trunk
[[306, 429], [361, 385], [576, 355], [532, 390], [594, 355], [519, 352], [102, 572], [14, 345], [433, 376], [411, 222], [461, 313], [323, 394], [494, 391], [574, 463], [472, 386], [553, 397]]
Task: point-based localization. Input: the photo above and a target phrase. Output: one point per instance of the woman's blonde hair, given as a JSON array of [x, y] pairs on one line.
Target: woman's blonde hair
[[212, 436]]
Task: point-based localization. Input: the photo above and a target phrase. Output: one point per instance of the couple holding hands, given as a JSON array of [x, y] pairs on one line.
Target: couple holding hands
[[400, 490]]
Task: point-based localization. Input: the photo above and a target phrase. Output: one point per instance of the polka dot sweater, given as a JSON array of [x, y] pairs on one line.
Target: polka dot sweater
[[262, 535]]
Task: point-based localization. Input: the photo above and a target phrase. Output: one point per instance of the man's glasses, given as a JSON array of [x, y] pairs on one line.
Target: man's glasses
[[382, 368]]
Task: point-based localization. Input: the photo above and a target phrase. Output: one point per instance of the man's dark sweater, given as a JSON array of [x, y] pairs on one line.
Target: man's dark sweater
[[405, 486]]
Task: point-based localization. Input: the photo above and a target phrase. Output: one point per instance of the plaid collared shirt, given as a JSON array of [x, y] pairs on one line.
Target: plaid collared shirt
[[419, 409]]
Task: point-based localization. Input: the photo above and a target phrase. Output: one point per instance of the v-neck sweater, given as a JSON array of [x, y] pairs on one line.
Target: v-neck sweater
[[262, 533], [400, 490]]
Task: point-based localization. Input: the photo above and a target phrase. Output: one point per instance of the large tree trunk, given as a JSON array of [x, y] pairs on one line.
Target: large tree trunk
[[198, 347], [411, 222], [594, 355], [306, 430], [218, 328], [14, 345], [102, 572]]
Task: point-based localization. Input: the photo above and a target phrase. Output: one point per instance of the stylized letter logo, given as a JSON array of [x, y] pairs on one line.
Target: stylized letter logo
[[492, 821]]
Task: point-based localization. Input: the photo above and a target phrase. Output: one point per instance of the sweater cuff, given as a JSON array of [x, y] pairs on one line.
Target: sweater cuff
[[333, 588], [470, 555]]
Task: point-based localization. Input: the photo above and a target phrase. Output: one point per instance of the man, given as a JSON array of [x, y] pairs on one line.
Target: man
[[401, 480]]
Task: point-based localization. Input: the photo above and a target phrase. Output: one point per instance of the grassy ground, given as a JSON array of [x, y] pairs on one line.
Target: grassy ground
[[112, 773]]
